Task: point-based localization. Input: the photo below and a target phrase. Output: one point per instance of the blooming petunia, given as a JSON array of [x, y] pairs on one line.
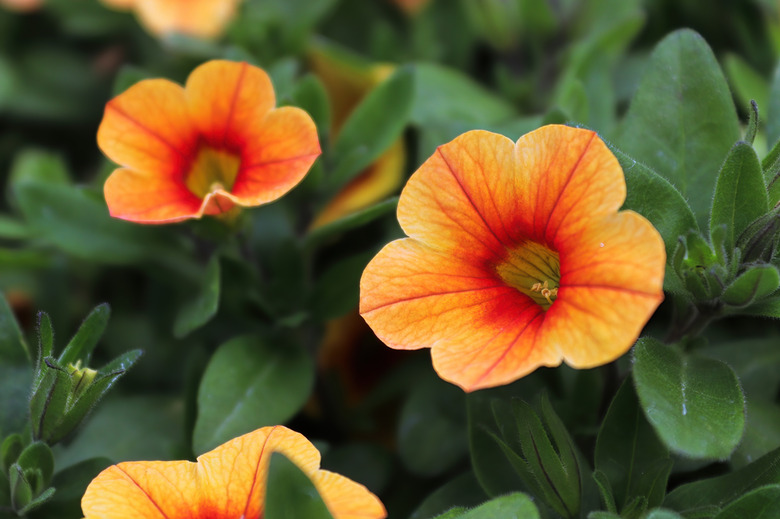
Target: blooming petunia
[[348, 80], [205, 148], [517, 257], [199, 18], [225, 483]]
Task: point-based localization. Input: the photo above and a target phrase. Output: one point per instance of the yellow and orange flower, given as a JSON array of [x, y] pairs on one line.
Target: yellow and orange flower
[[226, 483], [200, 18], [517, 257], [347, 82], [22, 6], [205, 148]]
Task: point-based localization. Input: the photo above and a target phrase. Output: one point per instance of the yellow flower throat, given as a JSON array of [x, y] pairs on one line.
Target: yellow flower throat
[[534, 270], [211, 171]]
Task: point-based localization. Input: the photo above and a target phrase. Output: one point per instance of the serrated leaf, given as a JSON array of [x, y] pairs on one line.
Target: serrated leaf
[[694, 403], [290, 494], [250, 382], [204, 305], [682, 120], [740, 193]]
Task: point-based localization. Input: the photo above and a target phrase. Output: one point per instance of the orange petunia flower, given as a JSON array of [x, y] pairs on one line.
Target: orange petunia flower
[[200, 18], [517, 257], [205, 148], [228, 482], [348, 80], [22, 6]]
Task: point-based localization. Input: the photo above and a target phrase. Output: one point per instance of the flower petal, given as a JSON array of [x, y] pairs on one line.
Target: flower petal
[[280, 151], [233, 476], [147, 128], [201, 18], [567, 179], [612, 281], [143, 490], [346, 499], [148, 197], [449, 202], [227, 100]]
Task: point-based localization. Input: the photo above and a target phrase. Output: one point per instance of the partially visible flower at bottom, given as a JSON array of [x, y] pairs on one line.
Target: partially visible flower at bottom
[[226, 483], [517, 258]]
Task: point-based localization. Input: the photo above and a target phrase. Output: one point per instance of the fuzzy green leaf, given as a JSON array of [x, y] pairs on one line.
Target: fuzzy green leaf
[[756, 283]]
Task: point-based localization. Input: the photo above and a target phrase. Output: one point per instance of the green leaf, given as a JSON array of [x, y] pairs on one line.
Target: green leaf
[[21, 491], [747, 84], [629, 453], [310, 95], [756, 283], [15, 382], [36, 502], [372, 127], [12, 229], [762, 432], [78, 223], [740, 193], [37, 166], [721, 490], [351, 221], [761, 503], [432, 428], [462, 491], [756, 362], [10, 450], [652, 196], [290, 494], [250, 382], [773, 109], [682, 120], [128, 76], [204, 305], [89, 333], [512, 506], [662, 513], [70, 484], [13, 347], [443, 95], [336, 291], [38, 456], [695, 404]]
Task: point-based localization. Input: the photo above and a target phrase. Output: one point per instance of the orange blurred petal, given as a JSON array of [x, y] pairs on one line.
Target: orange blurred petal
[[147, 128], [200, 18], [143, 490], [227, 100], [148, 197], [281, 148], [22, 5]]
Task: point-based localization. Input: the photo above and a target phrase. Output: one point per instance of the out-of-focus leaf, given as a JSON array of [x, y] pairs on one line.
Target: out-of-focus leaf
[[747, 84], [351, 221], [13, 346], [128, 76], [204, 305], [630, 454], [15, 382], [721, 490], [370, 464], [761, 503], [12, 229], [290, 494], [740, 193], [462, 491], [336, 291], [773, 110], [756, 362], [762, 432], [310, 95], [371, 128], [682, 121], [695, 403], [442, 95], [250, 382], [432, 428]]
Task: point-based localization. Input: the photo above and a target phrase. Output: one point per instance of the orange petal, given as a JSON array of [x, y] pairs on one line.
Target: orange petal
[[449, 202], [143, 490], [201, 18], [346, 499], [233, 476], [280, 150], [378, 181], [148, 129], [148, 197], [612, 281], [568, 178], [22, 5], [227, 100]]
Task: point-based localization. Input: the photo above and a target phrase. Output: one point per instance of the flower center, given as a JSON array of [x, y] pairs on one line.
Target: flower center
[[534, 270], [212, 170]]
